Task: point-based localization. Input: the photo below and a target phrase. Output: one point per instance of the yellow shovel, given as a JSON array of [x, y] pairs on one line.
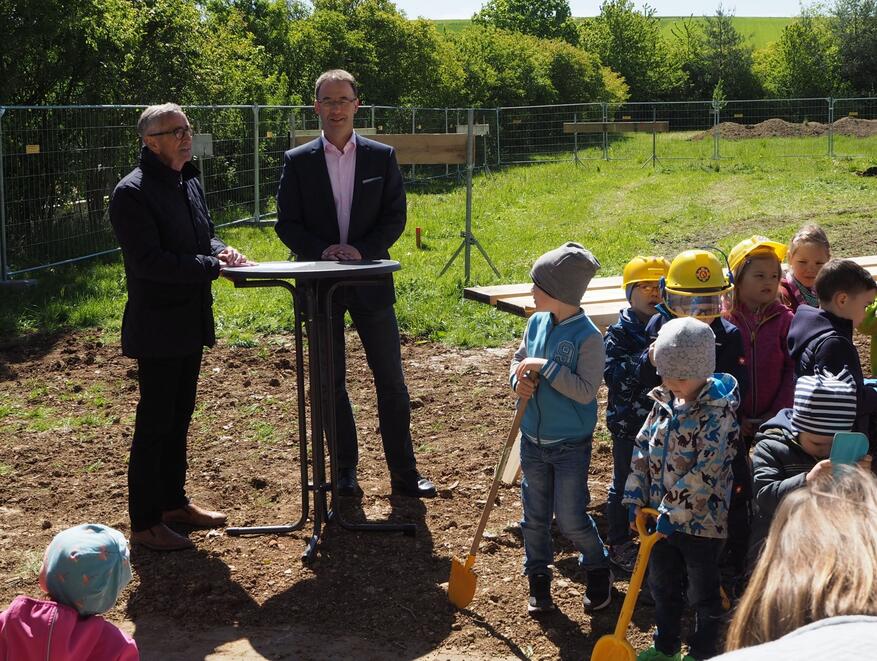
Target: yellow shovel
[[461, 585], [615, 647]]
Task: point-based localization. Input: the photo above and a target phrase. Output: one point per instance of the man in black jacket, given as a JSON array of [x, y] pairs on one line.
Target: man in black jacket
[[160, 217], [341, 198]]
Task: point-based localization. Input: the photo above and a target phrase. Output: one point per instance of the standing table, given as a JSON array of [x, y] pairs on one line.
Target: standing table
[[312, 294]]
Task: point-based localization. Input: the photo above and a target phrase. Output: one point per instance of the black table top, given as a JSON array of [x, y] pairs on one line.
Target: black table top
[[312, 270]]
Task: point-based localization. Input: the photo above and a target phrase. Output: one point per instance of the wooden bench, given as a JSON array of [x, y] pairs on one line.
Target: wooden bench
[[602, 302]]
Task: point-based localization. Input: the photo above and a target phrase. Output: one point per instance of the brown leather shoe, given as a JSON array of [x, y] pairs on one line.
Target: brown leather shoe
[[194, 516], [161, 538]]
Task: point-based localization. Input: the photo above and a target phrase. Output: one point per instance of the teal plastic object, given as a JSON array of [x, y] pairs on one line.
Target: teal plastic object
[[848, 447]]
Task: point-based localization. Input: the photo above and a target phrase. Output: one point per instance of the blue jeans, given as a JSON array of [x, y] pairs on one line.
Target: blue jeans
[[556, 483], [674, 559], [616, 513]]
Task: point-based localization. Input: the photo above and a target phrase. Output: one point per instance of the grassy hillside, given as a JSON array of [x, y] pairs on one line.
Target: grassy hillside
[[759, 30]]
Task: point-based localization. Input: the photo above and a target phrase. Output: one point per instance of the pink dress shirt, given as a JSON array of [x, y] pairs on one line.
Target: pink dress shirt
[[342, 169]]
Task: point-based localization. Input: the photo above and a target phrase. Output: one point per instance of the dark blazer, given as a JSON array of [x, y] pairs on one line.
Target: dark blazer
[[306, 218], [161, 220]]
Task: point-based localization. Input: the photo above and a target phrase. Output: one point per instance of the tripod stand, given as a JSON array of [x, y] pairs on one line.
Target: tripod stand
[[469, 239]]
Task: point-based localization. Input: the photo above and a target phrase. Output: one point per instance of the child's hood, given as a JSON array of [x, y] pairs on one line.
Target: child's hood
[[779, 428], [808, 324], [719, 391]]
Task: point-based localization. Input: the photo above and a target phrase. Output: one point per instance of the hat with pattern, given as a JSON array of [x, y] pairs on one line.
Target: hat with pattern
[[685, 349], [825, 403]]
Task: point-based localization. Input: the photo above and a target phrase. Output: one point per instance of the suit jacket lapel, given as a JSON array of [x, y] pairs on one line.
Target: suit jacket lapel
[[324, 185], [363, 153]]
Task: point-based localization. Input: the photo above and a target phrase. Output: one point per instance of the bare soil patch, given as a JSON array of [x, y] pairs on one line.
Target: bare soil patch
[[66, 416], [779, 128]]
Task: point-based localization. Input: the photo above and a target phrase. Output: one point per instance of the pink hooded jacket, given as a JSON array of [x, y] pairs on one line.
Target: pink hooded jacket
[[771, 368], [34, 630]]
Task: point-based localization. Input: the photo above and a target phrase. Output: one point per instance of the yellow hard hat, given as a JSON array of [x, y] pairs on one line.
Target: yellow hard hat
[[754, 244], [644, 269], [696, 271]]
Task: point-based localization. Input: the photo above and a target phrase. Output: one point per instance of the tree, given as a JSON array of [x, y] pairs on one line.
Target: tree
[[548, 19], [505, 68], [854, 25], [803, 62], [727, 57], [630, 43], [714, 51]]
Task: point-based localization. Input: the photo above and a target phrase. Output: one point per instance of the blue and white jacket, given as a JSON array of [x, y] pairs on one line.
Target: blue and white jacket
[[628, 403], [681, 462], [564, 406]]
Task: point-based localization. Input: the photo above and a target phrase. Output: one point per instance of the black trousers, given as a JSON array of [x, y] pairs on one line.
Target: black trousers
[[379, 333], [157, 467]]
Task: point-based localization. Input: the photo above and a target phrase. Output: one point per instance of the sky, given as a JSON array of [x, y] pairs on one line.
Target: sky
[[465, 8]]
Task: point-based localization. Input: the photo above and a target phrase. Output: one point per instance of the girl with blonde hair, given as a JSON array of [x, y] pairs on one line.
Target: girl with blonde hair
[[813, 594]]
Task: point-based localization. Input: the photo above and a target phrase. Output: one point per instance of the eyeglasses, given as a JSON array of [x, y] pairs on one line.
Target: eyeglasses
[[179, 133], [343, 102]]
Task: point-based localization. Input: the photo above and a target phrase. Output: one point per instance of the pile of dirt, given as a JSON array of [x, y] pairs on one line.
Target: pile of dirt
[[779, 128]]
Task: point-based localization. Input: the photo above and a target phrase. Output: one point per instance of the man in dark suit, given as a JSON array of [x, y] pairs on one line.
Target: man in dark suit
[[160, 217], [341, 198]]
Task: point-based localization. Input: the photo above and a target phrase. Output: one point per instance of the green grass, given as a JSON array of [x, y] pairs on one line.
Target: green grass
[[759, 31], [616, 208]]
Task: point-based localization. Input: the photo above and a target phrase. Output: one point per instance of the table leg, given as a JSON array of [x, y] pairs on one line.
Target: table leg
[[302, 426]]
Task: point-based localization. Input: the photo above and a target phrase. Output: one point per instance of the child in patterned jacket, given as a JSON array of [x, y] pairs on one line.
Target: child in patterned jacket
[[681, 466]]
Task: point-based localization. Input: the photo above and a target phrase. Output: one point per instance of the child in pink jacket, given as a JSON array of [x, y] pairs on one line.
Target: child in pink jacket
[[764, 323], [84, 570]]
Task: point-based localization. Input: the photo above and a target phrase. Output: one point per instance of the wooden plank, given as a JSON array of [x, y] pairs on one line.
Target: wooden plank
[[316, 133], [419, 148], [602, 313], [616, 127], [477, 129], [494, 293]]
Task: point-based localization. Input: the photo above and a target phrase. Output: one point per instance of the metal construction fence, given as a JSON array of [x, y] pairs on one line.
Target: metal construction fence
[[59, 164]]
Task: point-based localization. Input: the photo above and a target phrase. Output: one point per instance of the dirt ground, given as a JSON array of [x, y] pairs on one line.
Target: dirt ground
[[66, 416], [779, 128]]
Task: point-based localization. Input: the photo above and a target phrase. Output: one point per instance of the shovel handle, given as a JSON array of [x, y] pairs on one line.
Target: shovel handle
[[646, 541], [497, 477]]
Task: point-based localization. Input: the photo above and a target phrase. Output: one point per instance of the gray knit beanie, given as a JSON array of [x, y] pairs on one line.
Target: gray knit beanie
[[685, 349], [564, 273], [825, 403]]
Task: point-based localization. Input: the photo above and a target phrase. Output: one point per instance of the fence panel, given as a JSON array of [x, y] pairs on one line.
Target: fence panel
[[854, 130], [760, 130], [59, 164], [530, 134], [60, 167], [682, 131]]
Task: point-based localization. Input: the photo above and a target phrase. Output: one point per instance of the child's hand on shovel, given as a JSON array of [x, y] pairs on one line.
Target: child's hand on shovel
[[527, 373], [633, 526]]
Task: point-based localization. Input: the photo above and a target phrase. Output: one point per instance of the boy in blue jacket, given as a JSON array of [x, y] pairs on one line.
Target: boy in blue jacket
[[562, 352], [628, 402], [822, 338]]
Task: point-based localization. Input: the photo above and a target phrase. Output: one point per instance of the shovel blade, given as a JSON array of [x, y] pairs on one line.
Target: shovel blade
[[461, 585], [611, 648]]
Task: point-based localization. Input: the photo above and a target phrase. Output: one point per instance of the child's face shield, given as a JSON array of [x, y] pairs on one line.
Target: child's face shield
[[704, 307]]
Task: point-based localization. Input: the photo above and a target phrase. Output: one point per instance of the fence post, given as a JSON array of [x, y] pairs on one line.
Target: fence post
[[413, 131], [830, 127], [257, 215], [575, 140], [715, 130], [4, 266], [605, 107], [498, 150], [448, 167]]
